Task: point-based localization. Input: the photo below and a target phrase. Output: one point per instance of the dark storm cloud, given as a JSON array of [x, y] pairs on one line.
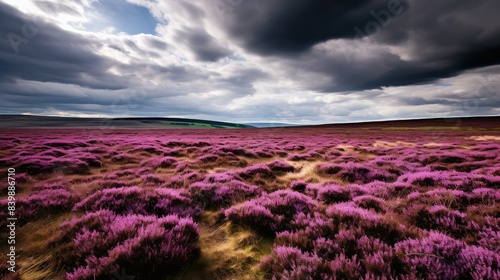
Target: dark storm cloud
[[202, 45], [32, 50], [442, 38], [448, 37], [282, 26], [359, 73]]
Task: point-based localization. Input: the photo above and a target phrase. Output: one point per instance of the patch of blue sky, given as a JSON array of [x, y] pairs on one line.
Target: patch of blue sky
[[122, 16], [236, 57]]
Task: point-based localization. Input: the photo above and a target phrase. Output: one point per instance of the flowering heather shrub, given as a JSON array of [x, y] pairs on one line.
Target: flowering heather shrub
[[184, 179], [292, 147], [181, 167], [152, 178], [347, 215], [357, 190], [288, 263], [44, 201], [148, 246], [400, 189], [109, 183], [121, 173], [304, 229], [142, 201], [149, 148], [304, 156], [44, 164], [53, 153], [48, 199], [187, 143], [254, 216], [218, 178], [451, 180], [479, 263], [207, 158], [487, 147], [172, 152], [350, 255], [55, 185], [217, 195], [239, 152], [263, 153], [482, 156], [328, 169], [489, 238], [441, 257], [446, 157], [443, 190], [376, 257], [91, 159], [31, 165], [343, 267], [164, 162], [438, 217], [256, 170], [64, 144], [352, 172], [287, 203], [272, 212], [70, 166], [469, 167], [370, 202], [312, 190], [350, 212], [298, 185], [144, 170], [280, 166], [486, 196], [333, 194], [454, 199], [123, 158]]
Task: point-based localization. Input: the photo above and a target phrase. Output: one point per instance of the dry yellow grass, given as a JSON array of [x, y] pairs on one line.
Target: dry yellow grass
[[37, 263], [393, 144], [484, 137], [227, 251]]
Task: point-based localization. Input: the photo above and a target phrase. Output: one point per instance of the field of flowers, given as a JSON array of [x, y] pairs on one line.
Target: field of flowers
[[294, 203]]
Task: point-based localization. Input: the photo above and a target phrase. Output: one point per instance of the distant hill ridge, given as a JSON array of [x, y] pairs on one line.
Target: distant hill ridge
[[20, 121], [32, 121]]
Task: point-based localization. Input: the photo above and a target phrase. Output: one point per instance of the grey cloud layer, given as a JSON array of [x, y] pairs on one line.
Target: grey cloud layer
[[33, 50], [295, 61], [283, 27], [439, 39]]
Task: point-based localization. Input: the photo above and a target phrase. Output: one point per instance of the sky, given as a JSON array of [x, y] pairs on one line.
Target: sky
[[303, 62]]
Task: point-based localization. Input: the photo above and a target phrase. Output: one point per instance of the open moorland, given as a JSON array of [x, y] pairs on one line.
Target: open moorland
[[332, 202]]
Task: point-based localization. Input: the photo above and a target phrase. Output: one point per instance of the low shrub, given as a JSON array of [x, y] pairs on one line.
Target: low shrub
[[148, 246]]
